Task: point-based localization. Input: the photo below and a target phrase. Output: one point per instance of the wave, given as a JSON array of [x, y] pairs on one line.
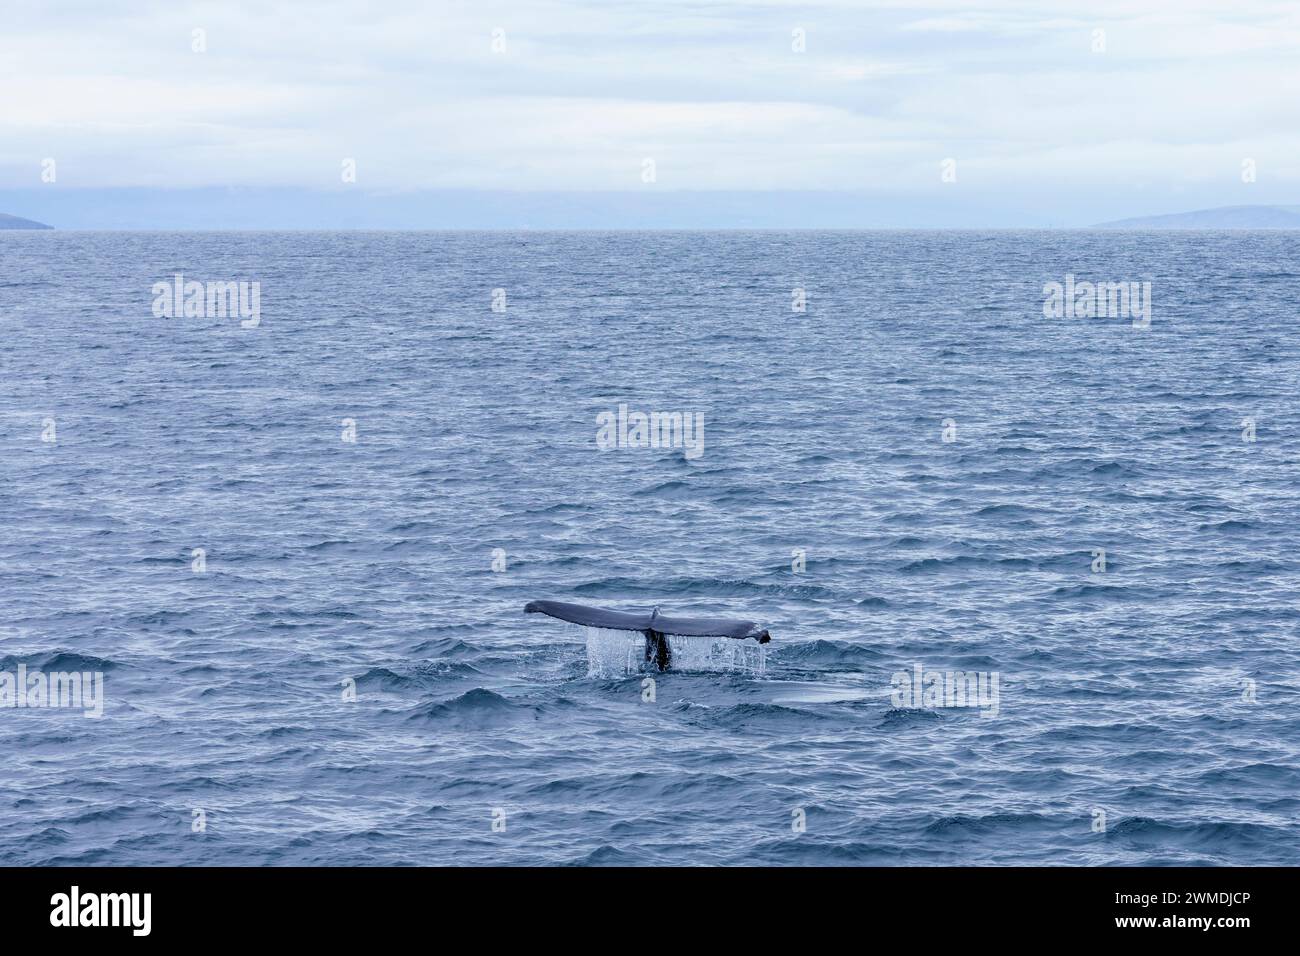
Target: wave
[[1106, 592], [962, 825], [931, 565], [1230, 526], [419, 676], [59, 661], [749, 717], [627, 588], [476, 709], [826, 655]]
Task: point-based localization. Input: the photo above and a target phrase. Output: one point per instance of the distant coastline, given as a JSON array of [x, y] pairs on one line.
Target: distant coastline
[[1221, 217], [500, 216], [17, 222]]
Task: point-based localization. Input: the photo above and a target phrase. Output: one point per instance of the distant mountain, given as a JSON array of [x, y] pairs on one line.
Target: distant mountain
[[16, 222], [1224, 217]]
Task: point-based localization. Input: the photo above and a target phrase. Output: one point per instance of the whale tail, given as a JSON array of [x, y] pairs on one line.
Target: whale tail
[[656, 627]]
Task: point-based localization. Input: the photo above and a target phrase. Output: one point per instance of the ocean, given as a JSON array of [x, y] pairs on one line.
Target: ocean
[[293, 548]]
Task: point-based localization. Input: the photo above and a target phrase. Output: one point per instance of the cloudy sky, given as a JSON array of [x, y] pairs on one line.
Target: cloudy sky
[[1064, 112]]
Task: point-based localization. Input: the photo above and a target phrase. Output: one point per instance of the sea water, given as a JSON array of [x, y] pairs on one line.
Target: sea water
[[298, 552]]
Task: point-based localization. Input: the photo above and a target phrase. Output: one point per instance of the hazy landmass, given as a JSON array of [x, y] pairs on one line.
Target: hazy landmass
[[650, 207], [1223, 217], [17, 222], [237, 209]]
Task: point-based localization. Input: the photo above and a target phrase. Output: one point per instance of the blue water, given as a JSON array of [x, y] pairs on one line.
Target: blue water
[[1162, 691]]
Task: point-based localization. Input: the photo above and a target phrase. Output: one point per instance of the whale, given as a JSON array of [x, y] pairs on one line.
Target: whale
[[656, 627]]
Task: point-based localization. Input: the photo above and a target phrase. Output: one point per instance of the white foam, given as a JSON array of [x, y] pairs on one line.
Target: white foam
[[619, 653], [613, 653], [716, 654]]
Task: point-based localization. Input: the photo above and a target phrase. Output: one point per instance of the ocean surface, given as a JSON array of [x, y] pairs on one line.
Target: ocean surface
[[342, 678]]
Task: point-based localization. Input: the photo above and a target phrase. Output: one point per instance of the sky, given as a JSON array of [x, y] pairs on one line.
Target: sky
[[455, 114]]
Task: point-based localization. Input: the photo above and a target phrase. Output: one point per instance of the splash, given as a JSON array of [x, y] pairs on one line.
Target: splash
[[716, 654], [613, 653]]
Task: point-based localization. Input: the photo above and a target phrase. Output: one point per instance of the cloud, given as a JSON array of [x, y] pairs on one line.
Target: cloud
[[581, 93]]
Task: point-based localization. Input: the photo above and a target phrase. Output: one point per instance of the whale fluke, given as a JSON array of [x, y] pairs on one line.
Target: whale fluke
[[655, 626], [649, 621]]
